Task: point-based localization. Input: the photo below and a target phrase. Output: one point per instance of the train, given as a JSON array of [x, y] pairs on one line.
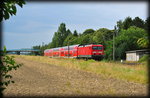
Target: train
[[89, 51]]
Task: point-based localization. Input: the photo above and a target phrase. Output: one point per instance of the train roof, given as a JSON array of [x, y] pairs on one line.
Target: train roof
[[70, 46], [47, 50]]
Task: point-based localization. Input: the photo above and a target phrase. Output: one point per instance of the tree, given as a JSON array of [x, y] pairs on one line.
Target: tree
[[88, 31], [70, 40], [127, 23], [127, 40], [138, 22], [119, 25], [85, 39], [36, 47], [109, 50], [8, 8], [75, 33], [143, 42], [55, 39], [60, 36], [69, 32], [147, 23], [102, 35]]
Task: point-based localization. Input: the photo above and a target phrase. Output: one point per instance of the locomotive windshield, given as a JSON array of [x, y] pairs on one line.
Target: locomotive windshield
[[97, 48]]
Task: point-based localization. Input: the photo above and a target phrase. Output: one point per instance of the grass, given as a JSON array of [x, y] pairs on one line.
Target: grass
[[133, 73], [68, 84], [109, 91]]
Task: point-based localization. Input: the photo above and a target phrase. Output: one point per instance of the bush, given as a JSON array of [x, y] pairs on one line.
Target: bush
[[144, 58], [7, 63]]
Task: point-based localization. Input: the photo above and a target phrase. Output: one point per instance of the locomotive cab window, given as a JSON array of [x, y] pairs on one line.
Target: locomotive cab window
[[97, 48]]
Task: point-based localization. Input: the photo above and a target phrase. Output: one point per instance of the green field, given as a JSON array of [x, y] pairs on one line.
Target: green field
[[133, 73]]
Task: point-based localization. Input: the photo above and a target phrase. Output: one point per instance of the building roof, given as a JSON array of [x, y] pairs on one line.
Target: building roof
[[134, 51]]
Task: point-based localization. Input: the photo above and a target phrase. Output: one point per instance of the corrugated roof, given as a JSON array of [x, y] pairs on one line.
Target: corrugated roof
[[143, 50]]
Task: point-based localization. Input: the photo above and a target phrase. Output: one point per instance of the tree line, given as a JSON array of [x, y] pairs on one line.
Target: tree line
[[130, 34]]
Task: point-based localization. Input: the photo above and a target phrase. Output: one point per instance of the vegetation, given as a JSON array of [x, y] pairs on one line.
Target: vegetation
[[138, 73], [143, 42], [144, 58], [127, 40], [130, 34], [8, 7], [7, 64]]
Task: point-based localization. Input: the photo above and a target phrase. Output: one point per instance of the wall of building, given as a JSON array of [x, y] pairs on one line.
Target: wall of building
[[135, 55], [132, 57]]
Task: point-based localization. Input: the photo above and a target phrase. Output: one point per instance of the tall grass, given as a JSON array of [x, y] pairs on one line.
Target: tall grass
[[133, 73]]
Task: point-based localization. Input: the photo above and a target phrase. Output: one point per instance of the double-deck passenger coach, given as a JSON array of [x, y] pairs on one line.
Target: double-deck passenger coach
[[91, 51]]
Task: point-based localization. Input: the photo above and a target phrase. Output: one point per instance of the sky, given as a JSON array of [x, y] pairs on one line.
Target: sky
[[36, 22]]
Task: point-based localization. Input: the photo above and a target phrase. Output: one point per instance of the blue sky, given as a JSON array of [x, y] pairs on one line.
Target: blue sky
[[36, 22]]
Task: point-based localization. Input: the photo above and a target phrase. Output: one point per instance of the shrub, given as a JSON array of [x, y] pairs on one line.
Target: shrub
[[7, 64], [144, 58]]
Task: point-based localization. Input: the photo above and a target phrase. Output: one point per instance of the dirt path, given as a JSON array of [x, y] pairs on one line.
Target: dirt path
[[40, 79]]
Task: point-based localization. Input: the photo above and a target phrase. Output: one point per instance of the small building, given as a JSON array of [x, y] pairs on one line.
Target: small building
[[135, 55]]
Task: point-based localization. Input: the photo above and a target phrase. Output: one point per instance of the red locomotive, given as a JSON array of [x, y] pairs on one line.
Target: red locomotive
[[91, 51]]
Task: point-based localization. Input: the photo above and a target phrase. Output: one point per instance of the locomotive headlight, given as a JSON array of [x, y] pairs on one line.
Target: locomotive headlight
[[99, 52], [94, 51]]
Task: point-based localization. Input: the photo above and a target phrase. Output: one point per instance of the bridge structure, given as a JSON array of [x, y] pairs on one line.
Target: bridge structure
[[24, 51]]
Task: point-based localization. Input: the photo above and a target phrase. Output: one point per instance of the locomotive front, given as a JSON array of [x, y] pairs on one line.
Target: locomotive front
[[97, 51]]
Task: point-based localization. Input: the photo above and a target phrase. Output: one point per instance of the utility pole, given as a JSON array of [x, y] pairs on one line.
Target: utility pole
[[114, 43]]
